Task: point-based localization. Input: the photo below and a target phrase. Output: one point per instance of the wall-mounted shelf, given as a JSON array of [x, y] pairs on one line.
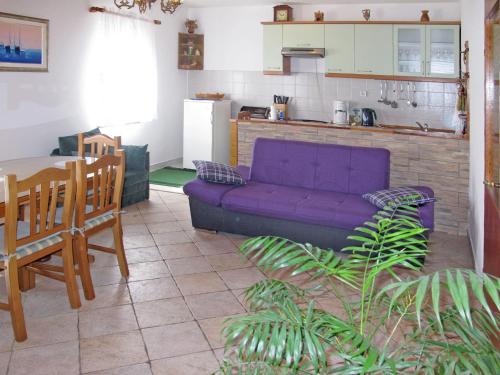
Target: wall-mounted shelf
[[191, 51]]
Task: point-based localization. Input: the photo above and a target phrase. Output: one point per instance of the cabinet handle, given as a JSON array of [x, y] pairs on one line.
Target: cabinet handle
[[365, 71], [334, 70]]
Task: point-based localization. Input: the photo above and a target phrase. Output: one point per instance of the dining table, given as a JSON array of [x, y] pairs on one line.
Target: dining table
[[27, 167]]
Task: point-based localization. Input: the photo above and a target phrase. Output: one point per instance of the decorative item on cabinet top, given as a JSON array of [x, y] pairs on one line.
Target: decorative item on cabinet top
[[283, 13], [366, 14], [425, 16], [319, 16], [191, 51], [191, 26]]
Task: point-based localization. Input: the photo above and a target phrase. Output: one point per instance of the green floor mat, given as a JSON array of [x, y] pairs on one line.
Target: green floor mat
[[173, 177]]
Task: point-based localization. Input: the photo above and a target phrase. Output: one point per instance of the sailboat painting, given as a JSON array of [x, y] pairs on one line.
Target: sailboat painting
[[23, 43]]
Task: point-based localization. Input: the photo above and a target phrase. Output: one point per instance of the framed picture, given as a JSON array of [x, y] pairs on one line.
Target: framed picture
[[24, 43]]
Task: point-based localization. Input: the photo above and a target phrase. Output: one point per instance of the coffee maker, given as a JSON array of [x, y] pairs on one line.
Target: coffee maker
[[368, 117], [340, 113]]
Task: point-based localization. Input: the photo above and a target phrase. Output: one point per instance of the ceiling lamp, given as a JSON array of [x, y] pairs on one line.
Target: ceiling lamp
[[169, 6]]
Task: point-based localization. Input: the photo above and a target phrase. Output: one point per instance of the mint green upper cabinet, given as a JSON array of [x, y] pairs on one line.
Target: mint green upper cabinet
[[409, 50], [443, 51], [374, 49], [273, 43], [339, 44], [304, 36]]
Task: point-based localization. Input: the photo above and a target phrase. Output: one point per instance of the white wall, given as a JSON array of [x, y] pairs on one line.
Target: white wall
[[233, 35], [473, 31], [36, 108]]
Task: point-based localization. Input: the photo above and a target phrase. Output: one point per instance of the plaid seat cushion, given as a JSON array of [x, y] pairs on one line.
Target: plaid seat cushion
[[397, 196], [92, 223], [31, 248], [218, 173]]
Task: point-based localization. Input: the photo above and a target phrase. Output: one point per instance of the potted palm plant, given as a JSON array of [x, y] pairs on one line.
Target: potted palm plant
[[390, 317]]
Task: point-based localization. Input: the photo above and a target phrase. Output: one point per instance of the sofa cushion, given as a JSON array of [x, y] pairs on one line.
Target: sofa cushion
[[299, 204], [336, 168], [218, 173], [135, 157], [69, 144], [135, 177], [397, 196], [207, 192]]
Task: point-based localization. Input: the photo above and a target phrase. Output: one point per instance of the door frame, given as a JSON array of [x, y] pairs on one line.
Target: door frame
[[492, 192]]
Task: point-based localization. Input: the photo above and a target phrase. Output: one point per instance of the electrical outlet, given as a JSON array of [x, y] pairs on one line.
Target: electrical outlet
[[364, 94]]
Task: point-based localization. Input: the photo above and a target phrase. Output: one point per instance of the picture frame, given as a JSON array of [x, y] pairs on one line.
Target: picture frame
[[24, 43]]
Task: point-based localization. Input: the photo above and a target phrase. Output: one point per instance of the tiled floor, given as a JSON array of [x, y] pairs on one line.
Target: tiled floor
[[167, 318]]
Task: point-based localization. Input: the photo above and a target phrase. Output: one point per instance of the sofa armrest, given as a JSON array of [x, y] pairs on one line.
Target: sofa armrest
[[55, 152], [244, 171], [147, 166]]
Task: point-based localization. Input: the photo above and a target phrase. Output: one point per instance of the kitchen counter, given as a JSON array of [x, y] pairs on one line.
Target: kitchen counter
[[382, 128], [438, 159]]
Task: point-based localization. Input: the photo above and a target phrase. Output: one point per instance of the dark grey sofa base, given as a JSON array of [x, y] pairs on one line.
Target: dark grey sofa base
[[206, 216]]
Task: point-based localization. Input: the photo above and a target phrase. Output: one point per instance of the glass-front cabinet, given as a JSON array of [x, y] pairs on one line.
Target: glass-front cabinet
[[443, 51], [409, 54]]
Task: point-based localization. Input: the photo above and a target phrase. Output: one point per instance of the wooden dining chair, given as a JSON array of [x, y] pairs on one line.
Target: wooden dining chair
[[25, 243], [98, 145], [98, 206]]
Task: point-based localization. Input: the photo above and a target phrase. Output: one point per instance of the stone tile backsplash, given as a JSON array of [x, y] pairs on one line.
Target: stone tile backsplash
[[313, 95]]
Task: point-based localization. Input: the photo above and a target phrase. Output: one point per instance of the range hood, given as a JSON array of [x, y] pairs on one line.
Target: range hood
[[303, 52]]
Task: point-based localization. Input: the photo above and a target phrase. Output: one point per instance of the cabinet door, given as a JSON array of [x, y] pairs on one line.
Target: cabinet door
[[339, 44], [304, 36], [443, 51], [273, 43], [374, 49], [409, 50]]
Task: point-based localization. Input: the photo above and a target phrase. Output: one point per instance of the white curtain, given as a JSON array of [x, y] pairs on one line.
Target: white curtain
[[121, 79]]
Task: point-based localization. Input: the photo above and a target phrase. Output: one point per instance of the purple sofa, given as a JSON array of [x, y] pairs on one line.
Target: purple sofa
[[305, 192]]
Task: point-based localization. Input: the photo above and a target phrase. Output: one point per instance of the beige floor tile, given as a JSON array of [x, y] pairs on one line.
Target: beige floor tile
[[185, 250], [187, 266], [224, 262], [4, 362], [150, 218], [213, 305], [132, 218], [212, 328], [198, 235], [200, 283], [148, 271], [107, 276], [162, 312], [185, 224], [182, 215], [143, 255], [193, 364], [140, 369], [103, 260], [107, 296], [174, 340], [150, 290], [242, 278], [58, 359], [168, 227], [112, 351], [135, 229], [172, 238], [136, 241], [6, 336], [46, 303], [219, 355], [221, 246], [240, 295], [107, 321], [50, 330]]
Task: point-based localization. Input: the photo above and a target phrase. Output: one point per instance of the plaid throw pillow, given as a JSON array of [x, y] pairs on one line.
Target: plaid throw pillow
[[218, 173], [396, 196]]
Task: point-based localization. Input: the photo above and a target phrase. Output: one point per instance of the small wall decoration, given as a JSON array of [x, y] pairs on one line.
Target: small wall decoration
[[319, 16], [425, 16], [367, 14], [24, 43], [191, 26], [283, 13]]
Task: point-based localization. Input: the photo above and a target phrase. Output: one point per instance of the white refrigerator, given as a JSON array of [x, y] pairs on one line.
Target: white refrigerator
[[206, 131]]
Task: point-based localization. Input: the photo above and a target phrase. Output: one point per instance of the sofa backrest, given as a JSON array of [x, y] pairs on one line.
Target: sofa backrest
[[343, 169]]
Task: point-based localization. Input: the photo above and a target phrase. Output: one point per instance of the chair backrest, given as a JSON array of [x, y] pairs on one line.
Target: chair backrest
[[98, 145], [41, 192], [99, 187]]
